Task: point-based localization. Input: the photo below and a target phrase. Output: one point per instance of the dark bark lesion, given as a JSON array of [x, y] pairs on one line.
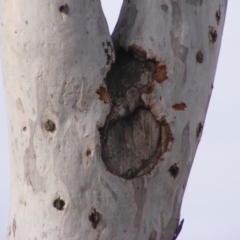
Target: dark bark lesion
[[133, 140]]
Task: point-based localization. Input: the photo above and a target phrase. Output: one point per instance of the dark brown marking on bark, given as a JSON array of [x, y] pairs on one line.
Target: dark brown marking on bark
[[195, 2], [132, 140], [199, 56], [212, 34], [179, 106], [174, 170], [59, 204], [94, 218], [14, 227], [88, 153], [164, 7], [64, 9], [109, 52], [218, 15], [103, 94], [153, 235], [49, 125], [199, 130], [139, 51], [24, 128]]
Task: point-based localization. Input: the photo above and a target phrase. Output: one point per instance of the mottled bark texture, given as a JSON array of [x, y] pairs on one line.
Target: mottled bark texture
[[103, 130]]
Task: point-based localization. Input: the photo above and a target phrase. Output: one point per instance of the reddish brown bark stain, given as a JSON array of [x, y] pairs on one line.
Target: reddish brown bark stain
[[103, 95], [160, 75], [148, 89], [179, 106]]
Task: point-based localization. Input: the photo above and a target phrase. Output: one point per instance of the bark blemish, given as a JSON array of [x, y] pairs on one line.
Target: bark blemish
[[14, 226], [153, 235], [132, 143], [59, 204], [64, 9], [160, 75], [88, 153], [108, 49], [199, 56], [49, 125], [148, 89], [103, 94], [135, 112], [199, 130], [179, 106], [164, 7], [24, 129], [174, 170], [218, 16], [212, 34], [94, 218]]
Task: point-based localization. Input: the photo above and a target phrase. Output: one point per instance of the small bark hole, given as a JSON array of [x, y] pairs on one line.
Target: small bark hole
[[59, 204], [94, 218], [199, 130], [49, 125], [212, 34], [174, 170], [199, 56], [64, 9], [88, 153], [24, 128]]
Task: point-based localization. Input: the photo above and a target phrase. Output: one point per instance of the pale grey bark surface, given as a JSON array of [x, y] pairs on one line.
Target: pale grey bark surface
[[102, 149]]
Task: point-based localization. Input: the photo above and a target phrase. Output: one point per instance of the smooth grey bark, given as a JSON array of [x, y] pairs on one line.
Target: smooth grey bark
[[103, 131]]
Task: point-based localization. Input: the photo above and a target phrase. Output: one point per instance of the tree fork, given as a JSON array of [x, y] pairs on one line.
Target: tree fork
[[103, 130]]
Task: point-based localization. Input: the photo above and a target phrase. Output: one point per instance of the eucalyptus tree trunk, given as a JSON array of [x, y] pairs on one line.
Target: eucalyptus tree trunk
[[103, 130]]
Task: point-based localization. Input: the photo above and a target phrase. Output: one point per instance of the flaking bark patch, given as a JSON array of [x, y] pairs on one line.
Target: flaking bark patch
[[179, 106], [161, 73], [103, 95]]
